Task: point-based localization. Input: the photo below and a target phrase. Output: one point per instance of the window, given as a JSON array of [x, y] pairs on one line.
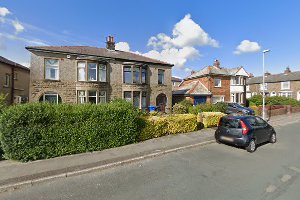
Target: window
[[127, 74], [51, 69], [137, 98], [50, 97], [127, 96], [230, 123], [91, 97], [144, 74], [216, 99], [15, 76], [236, 97], [81, 71], [102, 73], [161, 76], [286, 94], [92, 71], [7, 80], [285, 85], [136, 75], [217, 82], [235, 80], [102, 97], [81, 96], [261, 87]]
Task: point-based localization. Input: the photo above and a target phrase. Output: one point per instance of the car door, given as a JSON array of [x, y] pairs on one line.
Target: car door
[[257, 129], [264, 129]]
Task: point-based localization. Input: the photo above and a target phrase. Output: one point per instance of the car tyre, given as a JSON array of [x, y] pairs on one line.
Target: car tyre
[[251, 146], [273, 138]]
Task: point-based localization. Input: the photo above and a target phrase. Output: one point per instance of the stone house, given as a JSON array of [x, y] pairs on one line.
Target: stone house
[[82, 74], [285, 84], [14, 81], [213, 84], [175, 82]]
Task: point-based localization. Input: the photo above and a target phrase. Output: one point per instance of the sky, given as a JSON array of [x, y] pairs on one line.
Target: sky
[[189, 34]]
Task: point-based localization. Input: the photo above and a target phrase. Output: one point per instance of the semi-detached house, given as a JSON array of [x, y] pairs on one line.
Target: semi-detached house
[[213, 84], [83, 74]]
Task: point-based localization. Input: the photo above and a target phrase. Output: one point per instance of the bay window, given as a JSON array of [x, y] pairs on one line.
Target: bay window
[[50, 97], [137, 98], [134, 74], [102, 73], [127, 74], [92, 96], [92, 71], [81, 71]]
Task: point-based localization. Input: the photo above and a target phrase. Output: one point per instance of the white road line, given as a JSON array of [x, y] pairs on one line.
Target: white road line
[[286, 177]]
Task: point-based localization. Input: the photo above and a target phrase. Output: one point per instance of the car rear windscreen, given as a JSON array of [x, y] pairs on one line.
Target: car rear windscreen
[[230, 123]]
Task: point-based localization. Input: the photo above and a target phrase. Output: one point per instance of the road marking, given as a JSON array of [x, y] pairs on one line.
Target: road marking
[[286, 177], [295, 169], [271, 188]]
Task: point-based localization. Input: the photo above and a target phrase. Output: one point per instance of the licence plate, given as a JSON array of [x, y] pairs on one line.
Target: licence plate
[[226, 138]]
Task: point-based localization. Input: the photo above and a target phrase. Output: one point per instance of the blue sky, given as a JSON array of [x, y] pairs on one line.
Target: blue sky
[[190, 34]]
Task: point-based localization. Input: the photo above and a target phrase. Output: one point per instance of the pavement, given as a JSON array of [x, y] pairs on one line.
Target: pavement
[[14, 175]]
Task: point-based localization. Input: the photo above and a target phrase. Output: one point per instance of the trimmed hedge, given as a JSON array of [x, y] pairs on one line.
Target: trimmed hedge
[[210, 119], [167, 125], [207, 107], [180, 109], [41, 130], [257, 100]]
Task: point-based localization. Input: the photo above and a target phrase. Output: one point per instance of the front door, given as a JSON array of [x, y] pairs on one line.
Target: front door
[[199, 100]]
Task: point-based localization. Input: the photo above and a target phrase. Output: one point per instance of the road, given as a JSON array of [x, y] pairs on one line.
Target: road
[[214, 171]]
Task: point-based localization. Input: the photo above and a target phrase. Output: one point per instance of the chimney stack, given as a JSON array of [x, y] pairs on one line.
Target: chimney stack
[[110, 43], [287, 70], [267, 73], [217, 64], [251, 75]]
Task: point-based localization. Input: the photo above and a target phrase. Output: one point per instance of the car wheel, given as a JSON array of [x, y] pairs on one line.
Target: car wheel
[[273, 138], [252, 146]]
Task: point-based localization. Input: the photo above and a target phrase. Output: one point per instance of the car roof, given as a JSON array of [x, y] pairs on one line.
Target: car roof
[[238, 116]]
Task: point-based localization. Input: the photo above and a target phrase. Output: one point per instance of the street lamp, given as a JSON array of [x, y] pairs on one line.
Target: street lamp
[[263, 84]]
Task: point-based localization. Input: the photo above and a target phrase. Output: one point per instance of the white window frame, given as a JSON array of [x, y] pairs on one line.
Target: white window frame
[[94, 68], [261, 87], [84, 69], [86, 96], [287, 94], [50, 94], [102, 70], [141, 98], [219, 84], [286, 88], [80, 97], [273, 94], [49, 67], [7, 80], [221, 98], [101, 96]]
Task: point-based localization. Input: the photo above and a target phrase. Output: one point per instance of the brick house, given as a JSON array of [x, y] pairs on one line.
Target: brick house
[[14, 81], [213, 84], [284, 84], [82, 74]]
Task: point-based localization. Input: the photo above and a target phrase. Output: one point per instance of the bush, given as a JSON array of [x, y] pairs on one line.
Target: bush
[[167, 125], [257, 100], [219, 107], [179, 109], [2, 102], [186, 103], [41, 130], [209, 119]]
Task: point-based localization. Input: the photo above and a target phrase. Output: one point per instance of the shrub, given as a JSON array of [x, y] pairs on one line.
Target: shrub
[[256, 100], [2, 102], [276, 100], [257, 110], [168, 124], [41, 130], [186, 103], [219, 107], [209, 119], [179, 109]]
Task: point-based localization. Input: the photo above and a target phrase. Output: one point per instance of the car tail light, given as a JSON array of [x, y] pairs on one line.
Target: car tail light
[[219, 124], [245, 129]]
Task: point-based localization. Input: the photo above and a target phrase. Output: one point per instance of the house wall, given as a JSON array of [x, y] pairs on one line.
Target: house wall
[[21, 82], [67, 85], [276, 87]]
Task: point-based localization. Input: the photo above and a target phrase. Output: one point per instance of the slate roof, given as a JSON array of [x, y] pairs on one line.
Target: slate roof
[[213, 70], [292, 76], [193, 88], [94, 51], [12, 63]]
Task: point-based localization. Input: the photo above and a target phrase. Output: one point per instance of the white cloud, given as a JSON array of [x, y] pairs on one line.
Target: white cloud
[[185, 33], [28, 41], [247, 46], [4, 11], [175, 56], [18, 26], [122, 46]]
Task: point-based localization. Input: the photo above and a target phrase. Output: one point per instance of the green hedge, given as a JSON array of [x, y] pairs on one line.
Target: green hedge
[[207, 107], [209, 119], [166, 125], [257, 100], [39, 131]]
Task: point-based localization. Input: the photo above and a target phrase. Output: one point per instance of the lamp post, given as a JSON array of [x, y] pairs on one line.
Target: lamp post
[[263, 84]]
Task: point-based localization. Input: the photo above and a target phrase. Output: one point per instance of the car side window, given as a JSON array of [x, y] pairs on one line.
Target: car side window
[[260, 122], [231, 123], [252, 121]]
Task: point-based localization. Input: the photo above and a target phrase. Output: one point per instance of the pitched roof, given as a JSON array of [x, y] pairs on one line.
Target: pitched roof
[[12, 63], [213, 70], [176, 79], [94, 51], [292, 76], [192, 88]]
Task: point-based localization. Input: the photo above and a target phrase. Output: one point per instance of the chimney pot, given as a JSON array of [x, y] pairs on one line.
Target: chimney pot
[[287, 70], [267, 73], [217, 63]]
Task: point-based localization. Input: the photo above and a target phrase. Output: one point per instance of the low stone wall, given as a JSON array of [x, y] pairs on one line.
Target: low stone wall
[[279, 110]]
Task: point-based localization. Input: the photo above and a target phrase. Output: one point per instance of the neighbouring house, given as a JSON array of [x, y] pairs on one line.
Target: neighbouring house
[[83, 74], [213, 84], [285, 84], [175, 82], [14, 81]]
